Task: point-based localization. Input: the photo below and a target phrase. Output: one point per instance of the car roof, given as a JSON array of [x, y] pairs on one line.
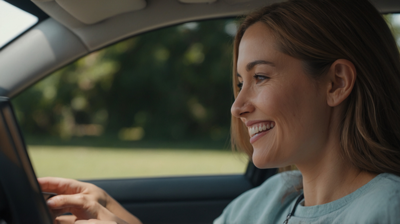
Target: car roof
[[75, 28]]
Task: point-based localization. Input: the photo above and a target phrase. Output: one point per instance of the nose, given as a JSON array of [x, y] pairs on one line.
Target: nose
[[242, 105]]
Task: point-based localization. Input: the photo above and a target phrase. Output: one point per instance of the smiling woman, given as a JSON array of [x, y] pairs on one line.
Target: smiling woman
[[276, 90], [321, 72], [313, 50]]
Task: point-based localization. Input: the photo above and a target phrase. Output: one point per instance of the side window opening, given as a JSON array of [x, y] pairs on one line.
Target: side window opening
[[393, 20], [157, 104]]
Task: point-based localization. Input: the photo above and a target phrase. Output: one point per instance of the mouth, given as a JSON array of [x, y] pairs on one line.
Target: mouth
[[260, 128]]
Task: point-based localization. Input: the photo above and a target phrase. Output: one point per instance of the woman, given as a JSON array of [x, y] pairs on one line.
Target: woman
[[316, 86]]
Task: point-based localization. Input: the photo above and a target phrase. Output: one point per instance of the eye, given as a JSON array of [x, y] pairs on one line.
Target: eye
[[240, 85], [260, 78]]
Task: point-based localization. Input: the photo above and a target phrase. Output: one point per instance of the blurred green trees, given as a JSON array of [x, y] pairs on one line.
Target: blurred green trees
[[169, 84]]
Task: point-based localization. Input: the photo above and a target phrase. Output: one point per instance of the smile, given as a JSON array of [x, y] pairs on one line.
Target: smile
[[261, 127]]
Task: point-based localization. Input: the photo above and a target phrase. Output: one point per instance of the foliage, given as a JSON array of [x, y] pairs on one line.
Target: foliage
[[169, 84]]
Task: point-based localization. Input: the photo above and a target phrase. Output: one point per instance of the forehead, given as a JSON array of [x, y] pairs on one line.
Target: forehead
[[257, 43]]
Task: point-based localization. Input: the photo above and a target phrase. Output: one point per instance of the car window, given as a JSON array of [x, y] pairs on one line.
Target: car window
[[13, 22], [157, 104], [394, 23]]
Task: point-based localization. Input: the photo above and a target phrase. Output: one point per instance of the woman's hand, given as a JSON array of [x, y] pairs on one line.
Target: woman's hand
[[94, 221], [71, 219], [85, 201]]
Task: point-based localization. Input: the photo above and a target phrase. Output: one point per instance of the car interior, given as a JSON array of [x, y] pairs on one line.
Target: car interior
[[67, 30]]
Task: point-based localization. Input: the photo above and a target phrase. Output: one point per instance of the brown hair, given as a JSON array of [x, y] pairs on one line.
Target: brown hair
[[319, 32]]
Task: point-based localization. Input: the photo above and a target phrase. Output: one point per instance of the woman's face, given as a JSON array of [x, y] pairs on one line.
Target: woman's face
[[284, 109]]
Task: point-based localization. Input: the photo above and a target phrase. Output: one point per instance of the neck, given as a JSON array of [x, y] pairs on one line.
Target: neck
[[331, 177]]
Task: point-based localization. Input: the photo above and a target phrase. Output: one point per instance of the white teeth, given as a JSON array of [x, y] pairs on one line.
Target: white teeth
[[261, 127]]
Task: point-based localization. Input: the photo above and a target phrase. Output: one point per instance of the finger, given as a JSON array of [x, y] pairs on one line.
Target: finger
[[78, 204], [94, 221], [73, 200], [59, 212], [61, 185], [65, 219]]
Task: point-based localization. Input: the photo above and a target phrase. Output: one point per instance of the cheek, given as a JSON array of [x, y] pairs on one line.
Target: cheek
[[284, 104], [280, 105], [298, 111], [294, 108]]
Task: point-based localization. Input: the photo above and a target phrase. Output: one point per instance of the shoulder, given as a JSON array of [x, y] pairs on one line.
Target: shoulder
[[384, 189], [267, 198], [380, 202], [385, 193]]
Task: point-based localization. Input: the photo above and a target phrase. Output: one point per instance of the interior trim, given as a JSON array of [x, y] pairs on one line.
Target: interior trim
[[166, 189], [38, 52], [94, 11]]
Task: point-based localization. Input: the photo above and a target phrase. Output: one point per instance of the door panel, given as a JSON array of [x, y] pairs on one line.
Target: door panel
[[178, 212], [176, 199]]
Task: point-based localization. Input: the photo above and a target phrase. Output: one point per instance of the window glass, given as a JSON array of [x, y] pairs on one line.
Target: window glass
[[157, 104], [13, 22], [394, 23]]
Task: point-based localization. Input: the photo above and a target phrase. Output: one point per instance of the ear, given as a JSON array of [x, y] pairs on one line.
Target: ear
[[341, 76]]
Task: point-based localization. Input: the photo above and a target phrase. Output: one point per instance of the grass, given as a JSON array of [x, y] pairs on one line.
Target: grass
[[85, 162]]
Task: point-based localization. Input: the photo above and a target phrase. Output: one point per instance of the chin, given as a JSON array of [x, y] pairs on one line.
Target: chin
[[262, 162]]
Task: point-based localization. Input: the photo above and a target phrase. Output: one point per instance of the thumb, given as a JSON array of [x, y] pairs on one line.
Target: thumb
[[65, 219]]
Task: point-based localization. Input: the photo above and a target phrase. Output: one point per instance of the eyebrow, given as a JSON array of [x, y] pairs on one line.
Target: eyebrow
[[254, 63]]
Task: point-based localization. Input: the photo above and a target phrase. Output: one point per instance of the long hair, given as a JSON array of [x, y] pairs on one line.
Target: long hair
[[318, 32]]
